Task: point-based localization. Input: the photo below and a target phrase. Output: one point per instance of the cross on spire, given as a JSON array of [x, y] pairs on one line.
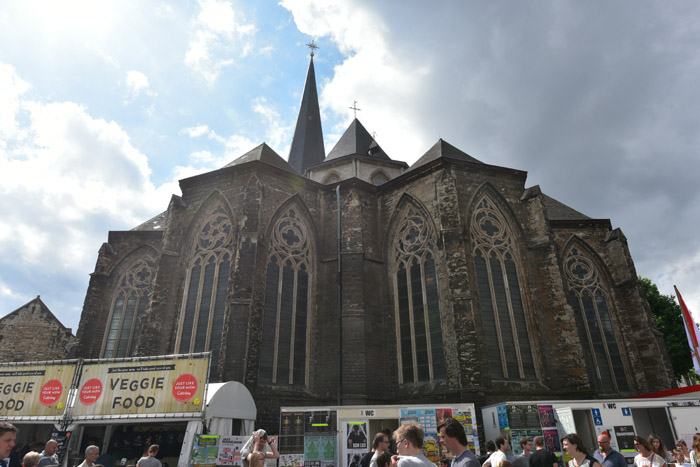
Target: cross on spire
[[312, 45], [354, 108]]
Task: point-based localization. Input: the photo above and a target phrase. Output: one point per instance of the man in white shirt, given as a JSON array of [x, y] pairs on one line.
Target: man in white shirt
[[499, 456]]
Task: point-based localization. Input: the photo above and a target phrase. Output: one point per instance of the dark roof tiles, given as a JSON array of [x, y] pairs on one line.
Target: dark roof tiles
[[357, 140]]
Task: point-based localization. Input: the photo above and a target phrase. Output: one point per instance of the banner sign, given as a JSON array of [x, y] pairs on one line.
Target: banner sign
[[142, 387], [35, 390]]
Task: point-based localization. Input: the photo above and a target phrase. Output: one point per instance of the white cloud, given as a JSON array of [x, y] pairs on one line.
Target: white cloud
[[66, 178], [216, 35], [136, 84], [379, 78], [277, 134]]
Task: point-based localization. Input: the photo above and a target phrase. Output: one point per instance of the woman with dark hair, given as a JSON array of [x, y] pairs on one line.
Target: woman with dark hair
[[573, 445], [658, 447], [695, 452], [646, 457]]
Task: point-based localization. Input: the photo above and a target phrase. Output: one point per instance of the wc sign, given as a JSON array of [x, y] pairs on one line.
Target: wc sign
[[597, 419]]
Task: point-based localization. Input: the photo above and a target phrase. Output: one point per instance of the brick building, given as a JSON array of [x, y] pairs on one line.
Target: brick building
[[445, 281], [32, 332]]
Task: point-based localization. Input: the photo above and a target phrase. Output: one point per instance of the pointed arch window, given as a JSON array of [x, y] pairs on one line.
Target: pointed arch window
[[287, 302], [498, 283], [416, 301], [130, 303], [590, 301], [204, 304]]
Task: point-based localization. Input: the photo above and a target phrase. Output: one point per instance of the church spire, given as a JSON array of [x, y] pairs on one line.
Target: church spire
[[307, 145]]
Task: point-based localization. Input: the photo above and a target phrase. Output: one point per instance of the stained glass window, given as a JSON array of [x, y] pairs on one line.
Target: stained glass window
[[498, 284], [130, 302], [590, 301], [287, 296], [204, 304], [419, 331]]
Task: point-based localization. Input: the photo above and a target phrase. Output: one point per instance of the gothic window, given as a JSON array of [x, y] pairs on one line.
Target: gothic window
[[287, 299], [416, 301], [590, 301], [130, 302], [204, 304], [502, 309]]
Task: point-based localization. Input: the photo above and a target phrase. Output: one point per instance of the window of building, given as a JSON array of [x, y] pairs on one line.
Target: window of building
[[288, 295], [130, 302], [416, 300], [590, 301], [498, 282], [204, 304], [331, 178], [379, 178]]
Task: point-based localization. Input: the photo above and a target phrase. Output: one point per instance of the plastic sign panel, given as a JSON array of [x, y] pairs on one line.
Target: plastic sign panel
[[142, 387], [34, 390]]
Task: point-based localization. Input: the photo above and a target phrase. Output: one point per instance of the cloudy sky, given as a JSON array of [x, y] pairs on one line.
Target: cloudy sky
[[105, 105]]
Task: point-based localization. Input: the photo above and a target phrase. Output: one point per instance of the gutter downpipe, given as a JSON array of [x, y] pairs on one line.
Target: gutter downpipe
[[340, 303]]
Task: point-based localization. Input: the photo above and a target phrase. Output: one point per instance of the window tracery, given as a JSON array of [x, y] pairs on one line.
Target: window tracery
[[588, 297], [421, 355], [498, 283], [204, 304], [288, 285], [130, 302]]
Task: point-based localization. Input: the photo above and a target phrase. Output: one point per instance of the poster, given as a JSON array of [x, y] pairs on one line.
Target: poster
[[291, 433], [291, 460], [353, 458], [551, 440], [431, 447], [230, 449], [35, 390], [426, 418], [320, 421], [356, 433], [319, 449], [502, 417], [142, 387], [547, 416], [205, 450], [625, 438]]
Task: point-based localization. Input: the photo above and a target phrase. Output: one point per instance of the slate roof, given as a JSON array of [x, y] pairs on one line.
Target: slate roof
[[155, 223], [357, 140], [266, 154], [307, 144], [443, 149], [556, 210]]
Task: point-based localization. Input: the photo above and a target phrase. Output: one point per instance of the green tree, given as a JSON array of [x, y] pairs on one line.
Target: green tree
[[668, 318]]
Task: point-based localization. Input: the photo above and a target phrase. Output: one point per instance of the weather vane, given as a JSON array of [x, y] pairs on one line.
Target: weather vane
[[354, 108], [312, 45]]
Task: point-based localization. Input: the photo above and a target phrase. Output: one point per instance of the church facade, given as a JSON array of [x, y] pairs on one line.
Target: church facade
[[353, 277]]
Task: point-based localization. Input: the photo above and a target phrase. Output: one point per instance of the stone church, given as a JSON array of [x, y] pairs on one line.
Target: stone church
[[354, 277]]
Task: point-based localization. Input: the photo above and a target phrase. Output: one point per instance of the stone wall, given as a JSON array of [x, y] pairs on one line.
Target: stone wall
[[33, 333]]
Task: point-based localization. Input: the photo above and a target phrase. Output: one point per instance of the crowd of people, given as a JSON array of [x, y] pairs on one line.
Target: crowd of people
[[404, 448], [11, 457]]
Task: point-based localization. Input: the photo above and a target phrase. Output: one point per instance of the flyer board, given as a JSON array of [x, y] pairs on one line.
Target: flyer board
[[35, 390], [431, 417], [142, 387]]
